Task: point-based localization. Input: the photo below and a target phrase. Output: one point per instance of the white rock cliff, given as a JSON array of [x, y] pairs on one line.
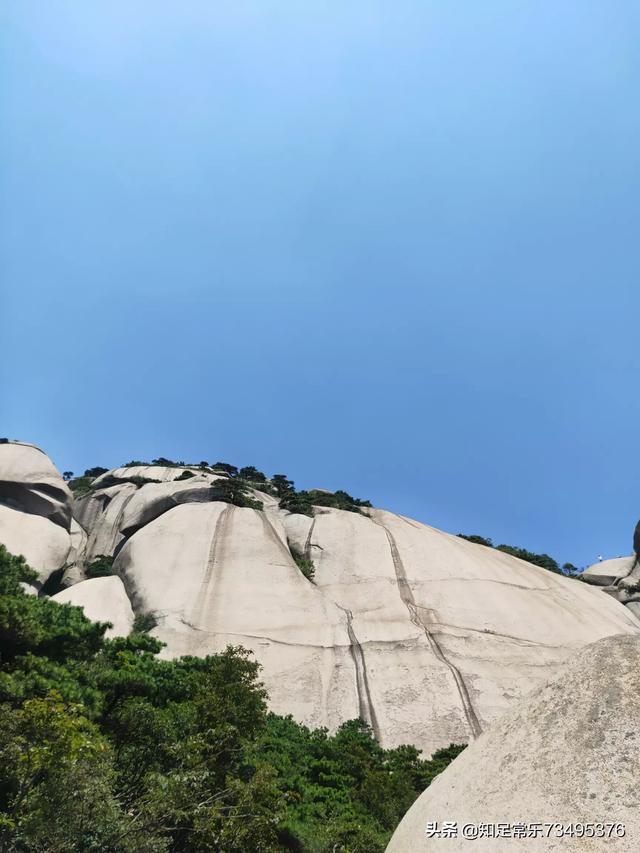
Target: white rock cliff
[[426, 636]]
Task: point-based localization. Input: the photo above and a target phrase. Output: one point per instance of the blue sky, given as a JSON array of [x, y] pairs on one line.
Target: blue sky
[[386, 247]]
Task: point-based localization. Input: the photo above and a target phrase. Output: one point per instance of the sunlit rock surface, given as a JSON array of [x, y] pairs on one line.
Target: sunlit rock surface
[[35, 509], [565, 755], [424, 635], [103, 600]]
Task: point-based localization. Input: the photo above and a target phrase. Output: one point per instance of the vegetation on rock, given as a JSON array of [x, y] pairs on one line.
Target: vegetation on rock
[[304, 501], [304, 564], [80, 486], [95, 472], [233, 492], [186, 475], [100, 567]]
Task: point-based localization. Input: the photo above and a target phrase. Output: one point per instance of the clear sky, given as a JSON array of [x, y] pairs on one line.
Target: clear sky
[[390, 247]]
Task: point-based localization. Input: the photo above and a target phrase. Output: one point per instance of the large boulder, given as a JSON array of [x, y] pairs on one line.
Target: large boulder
[[619, 578], [30, 482], [35, 509], [609, 572], [564, 755], [44, 545], [103, 600]]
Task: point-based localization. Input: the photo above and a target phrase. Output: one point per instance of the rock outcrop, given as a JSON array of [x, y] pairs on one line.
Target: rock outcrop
[[35, 508], [620, 577], [565, 755], [424, 635], [103, 600]]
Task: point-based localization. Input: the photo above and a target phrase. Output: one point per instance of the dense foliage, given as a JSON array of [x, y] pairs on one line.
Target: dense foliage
[[105, 748], [303, 501], [80, 486], [100, 567], [233, 492]]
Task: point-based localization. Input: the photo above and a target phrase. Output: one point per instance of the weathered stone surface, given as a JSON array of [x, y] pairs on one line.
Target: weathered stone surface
[[35, 509], [152, 472], [100, 513], [214, 574], [103, 600], [30, 482], [115, 512], [426, 636], [43, 544], [153, 499], [566, 754]]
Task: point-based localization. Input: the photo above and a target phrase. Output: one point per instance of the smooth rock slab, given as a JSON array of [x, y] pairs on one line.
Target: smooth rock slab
[[103, 600], [43, 544], [215, 574]]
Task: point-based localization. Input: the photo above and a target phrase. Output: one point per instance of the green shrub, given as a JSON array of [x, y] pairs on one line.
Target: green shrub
[[101, 567], [186, 475], [95, 472], [252, 474], [233, 492], [542, 560], [81, 486], [477, 540], [282, 485], [303, 502], [144, 622], [298, 502], [337, 500], [304, 564], [231, 470]]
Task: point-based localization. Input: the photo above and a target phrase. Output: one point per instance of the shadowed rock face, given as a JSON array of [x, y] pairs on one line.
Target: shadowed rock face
[[425, 636], [565, 754]]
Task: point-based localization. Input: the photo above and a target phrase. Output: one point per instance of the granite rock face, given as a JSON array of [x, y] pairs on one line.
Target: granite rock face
[[35, 508], [424, 635], [427, 637], [103, 600], [564, 755]]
